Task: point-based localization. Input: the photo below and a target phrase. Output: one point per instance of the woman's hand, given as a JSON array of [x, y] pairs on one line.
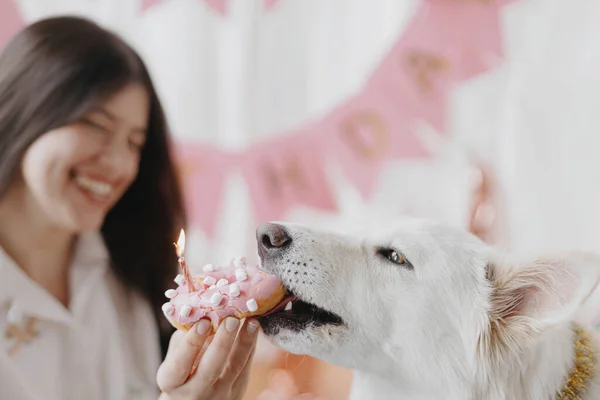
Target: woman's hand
[[199, 366], [282, 387]]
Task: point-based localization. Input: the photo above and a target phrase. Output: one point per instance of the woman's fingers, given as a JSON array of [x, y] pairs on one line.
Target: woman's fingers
[[182, 353], [242, 352], [176, 338], [240, 373], [202, 362], [215, 357]]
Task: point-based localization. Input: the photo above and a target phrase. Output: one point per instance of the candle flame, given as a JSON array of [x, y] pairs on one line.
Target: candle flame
[[180, 245]]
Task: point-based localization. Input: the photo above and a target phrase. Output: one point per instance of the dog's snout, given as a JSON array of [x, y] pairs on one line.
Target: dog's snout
[[271, 238]]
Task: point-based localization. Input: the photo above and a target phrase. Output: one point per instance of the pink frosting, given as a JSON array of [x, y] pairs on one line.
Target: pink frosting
[[258, 286]]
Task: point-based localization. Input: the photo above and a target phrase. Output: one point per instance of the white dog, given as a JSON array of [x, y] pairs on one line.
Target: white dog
[[423, 311]]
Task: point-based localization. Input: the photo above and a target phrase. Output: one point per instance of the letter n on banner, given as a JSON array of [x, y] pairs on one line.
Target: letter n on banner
[[287, 172], [366, 132], [203, 171]]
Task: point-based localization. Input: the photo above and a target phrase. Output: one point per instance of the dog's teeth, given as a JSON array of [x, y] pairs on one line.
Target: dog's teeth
[[288, 306]]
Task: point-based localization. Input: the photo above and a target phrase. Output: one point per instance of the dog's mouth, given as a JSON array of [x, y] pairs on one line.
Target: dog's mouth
[[295, 314]]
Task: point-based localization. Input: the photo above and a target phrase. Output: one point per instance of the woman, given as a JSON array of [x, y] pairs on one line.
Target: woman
[[89, 209]]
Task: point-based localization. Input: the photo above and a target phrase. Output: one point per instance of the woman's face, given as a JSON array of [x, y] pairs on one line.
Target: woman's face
[[76, 173]]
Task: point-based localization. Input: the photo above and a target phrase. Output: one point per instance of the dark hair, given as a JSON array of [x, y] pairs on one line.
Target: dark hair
[[51, 74]]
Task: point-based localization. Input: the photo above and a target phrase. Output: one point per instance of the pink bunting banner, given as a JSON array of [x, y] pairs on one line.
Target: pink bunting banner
[[10, 21], [286, 173], [423, 67], [447, 42], [203, 172]]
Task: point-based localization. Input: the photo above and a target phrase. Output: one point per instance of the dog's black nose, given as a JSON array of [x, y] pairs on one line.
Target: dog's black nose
[[271, 238]]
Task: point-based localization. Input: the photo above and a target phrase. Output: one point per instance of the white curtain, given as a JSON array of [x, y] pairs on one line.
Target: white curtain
[[253, 74], [536, 118]]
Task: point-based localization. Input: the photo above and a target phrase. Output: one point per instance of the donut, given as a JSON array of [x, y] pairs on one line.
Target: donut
[[237, 290]]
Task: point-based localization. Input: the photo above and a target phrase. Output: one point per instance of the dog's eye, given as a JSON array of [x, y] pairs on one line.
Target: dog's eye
[[395, 257]]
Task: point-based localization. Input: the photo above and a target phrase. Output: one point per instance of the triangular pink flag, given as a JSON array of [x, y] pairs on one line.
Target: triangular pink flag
[[218, 5], [269, 4], [420, 70], [146, 4], [366, 132], [203, 171], [10, 21], [285, 173]]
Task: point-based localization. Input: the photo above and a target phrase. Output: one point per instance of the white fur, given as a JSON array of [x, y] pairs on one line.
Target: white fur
[[444, 330]]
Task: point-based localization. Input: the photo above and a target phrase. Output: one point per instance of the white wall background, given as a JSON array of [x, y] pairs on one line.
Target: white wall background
[[240, 79]]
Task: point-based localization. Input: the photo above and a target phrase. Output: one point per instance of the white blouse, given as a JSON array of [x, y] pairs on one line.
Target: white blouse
[[104, 346]]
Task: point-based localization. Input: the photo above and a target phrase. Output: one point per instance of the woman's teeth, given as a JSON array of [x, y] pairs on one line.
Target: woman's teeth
[[97, 188]]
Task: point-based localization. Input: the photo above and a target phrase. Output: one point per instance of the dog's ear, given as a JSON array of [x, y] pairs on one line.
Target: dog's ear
[[527, 299]]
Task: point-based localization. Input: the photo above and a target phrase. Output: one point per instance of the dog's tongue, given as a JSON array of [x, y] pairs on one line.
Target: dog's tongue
[[280, 306]]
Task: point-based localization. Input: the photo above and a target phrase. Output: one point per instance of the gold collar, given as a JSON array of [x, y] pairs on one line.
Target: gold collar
[[584, 368]]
